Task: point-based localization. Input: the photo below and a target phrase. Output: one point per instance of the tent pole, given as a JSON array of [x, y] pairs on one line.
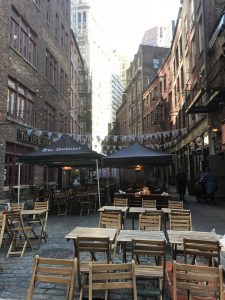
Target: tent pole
[[99, 197], [18, 190]]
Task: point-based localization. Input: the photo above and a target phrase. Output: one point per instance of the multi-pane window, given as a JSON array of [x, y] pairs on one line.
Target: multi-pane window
[[50, 115], [51, 70], [20, 103], [48, 12], [63, 82], [57, 25], [200, 35], [23, 39], [37, 2]]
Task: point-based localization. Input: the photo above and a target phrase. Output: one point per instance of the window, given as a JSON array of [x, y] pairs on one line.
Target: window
[[57, 25], [48, 12], [155, 63], [84, 20], [51, 68], [193, 53], [50, 115], [200, 35], [20, 103], [23, 39], [62, 36]]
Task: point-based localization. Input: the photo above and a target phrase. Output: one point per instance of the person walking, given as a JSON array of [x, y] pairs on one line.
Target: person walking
[[181, 182], [210, 183]]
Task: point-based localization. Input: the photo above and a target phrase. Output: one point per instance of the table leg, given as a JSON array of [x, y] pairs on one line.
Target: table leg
[[124, 253], [133, 221]]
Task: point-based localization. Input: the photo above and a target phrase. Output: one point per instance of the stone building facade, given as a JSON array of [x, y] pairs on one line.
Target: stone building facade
[[34, 81]]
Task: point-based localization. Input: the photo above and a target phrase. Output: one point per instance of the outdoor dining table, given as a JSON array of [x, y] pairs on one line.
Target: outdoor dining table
[[90, 232], [40, 214], [176, 237], [138, 210], [126, 236], [122, 209]]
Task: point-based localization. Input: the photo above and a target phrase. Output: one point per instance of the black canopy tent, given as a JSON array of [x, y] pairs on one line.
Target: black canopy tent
[[64, 152], [137, 154]]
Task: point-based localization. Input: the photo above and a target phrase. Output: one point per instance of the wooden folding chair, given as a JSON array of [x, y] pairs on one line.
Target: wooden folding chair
[[180, 220], [108, 219], [17, 206], [19, 232], [84, 201], [120, 202], [112, 277], [200, 281], [61, 201], [141, 252], [151, 220], [51, 270], [40, 206], [2, 227], [146, 203], [202, 248], [175, 204], [93, 246]]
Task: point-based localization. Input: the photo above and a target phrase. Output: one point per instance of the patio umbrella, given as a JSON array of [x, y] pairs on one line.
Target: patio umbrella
[[65, 151]]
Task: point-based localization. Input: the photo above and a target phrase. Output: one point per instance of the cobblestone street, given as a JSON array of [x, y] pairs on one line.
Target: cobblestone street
[[15, 277]]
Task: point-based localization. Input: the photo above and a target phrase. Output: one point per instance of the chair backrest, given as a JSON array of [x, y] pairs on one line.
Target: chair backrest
[[175, 204], [112, 277], [146, 203], [82, 196], [93, 245], [197, 280], [151, 220], [51, 270], [109, 219], [41, 205], [2, 227], [202, 248], [17, 206], [155, 249], [120, 202], [180, 220]]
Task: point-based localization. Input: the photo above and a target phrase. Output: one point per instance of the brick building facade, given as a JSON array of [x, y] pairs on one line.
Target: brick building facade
[[34, 81]]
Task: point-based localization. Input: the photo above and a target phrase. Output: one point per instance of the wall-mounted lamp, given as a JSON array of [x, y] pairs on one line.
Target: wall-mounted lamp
[[138, 168], [67, 168], [214, 129]]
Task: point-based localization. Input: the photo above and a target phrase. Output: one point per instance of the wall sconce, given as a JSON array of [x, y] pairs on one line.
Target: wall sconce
[[138, 168], [214, 129], [67, 168]]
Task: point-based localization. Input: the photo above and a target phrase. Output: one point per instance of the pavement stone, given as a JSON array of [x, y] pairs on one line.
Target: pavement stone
[[14, 279]]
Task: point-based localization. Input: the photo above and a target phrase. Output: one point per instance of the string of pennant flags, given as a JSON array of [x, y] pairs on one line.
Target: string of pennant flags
[[112, 143]]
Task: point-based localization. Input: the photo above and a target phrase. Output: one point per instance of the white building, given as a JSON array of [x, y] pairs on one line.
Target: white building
[[99, 57], [159, 36]]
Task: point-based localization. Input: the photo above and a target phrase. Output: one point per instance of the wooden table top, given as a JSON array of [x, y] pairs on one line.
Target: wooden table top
[[166, 210], [33, 211], [140, 210], [92, 232], [115, 208], [176, 236], [128, 235]]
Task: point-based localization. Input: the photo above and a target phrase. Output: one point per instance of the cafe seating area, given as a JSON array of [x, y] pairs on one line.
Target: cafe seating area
[[147, 250]]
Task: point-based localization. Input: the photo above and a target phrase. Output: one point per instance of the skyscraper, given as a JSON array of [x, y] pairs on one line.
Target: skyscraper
[[98, 54]]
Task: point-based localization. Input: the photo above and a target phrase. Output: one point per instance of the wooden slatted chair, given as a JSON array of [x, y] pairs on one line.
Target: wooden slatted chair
[[84, 202], [94, 246], [180, 220], [19, 232], [108, 219], [61, 201], [40, 206], [202, 248], [175, 204], [51, 270], [112, 277], [2, 227], [200, 281], [146, 203], [146, 269], [120, 202], [151, 220], [16, 206]]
